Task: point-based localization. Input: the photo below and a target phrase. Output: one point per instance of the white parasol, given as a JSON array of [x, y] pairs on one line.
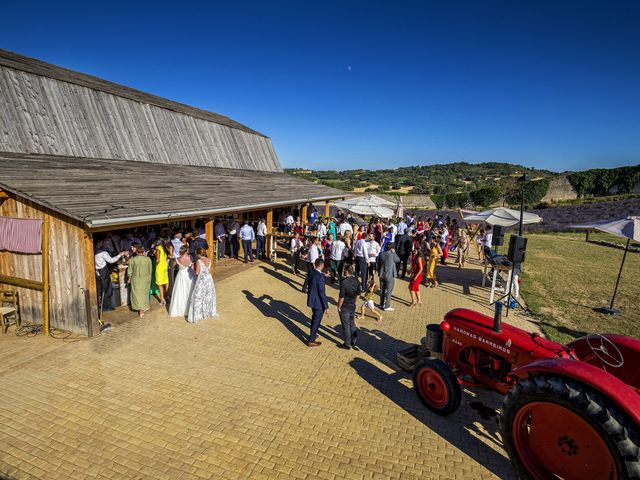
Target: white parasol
[[366, 200], [503, 216], [370, 205], [628, 228]]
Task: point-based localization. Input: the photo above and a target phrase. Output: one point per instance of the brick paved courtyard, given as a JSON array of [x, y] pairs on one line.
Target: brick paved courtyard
[[240, 396]]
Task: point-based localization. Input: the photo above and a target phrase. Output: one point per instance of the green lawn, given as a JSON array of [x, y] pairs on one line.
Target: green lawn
[[564, 278]]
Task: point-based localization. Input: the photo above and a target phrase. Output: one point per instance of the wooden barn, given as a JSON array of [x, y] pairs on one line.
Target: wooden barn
[[88, 156]]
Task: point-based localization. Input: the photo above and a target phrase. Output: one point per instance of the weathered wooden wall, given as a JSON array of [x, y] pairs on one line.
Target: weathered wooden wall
[[45, 115], [67, 278]]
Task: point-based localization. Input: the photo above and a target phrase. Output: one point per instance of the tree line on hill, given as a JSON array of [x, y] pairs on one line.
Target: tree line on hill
[[461, 184]]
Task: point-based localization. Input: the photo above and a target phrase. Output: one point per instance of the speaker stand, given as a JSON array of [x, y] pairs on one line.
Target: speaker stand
[[510, 297]]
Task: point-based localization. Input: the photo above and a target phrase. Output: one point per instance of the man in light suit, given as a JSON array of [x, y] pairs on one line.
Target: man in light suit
[[317, 300], [387, 270]]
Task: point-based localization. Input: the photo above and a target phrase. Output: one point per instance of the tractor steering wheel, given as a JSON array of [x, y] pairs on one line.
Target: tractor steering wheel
[[605, 350]]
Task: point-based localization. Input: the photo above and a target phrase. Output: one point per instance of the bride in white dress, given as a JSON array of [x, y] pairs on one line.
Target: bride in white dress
[[203, 298], [183, 285]]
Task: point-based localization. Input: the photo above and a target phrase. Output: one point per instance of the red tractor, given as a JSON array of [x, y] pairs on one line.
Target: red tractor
[[569, 412]]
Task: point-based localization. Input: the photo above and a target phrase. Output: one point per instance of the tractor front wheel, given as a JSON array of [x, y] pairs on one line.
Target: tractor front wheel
[[437, 386], [557, 428]]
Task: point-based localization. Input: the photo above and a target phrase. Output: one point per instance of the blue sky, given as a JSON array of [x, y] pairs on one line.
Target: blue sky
[[372, 84]]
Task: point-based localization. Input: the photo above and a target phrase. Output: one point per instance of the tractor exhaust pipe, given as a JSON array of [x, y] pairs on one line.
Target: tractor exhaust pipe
[[497, 318]]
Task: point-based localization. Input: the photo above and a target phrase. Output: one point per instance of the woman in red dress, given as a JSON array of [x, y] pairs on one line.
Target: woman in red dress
[[417, 267]]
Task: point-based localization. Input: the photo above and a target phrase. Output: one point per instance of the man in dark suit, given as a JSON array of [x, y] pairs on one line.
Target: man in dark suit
[[404, 245], [317, 300], [387, 270], [349, 292], [199, 241]]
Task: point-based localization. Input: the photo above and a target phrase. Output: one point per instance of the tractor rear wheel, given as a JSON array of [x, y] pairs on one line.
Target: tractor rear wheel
[[557, 428], [437, 386]]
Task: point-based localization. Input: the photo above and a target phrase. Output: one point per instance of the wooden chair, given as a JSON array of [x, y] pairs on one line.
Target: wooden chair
[[9, 309]]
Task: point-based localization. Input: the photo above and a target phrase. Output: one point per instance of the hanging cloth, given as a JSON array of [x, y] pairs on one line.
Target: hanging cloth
[[21, 235]]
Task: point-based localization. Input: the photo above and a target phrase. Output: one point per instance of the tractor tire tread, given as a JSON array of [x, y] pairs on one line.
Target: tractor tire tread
[[598, 410]]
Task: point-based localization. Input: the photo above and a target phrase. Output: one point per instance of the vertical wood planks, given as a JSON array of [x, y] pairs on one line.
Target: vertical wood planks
[[45, 115], [65, 265]]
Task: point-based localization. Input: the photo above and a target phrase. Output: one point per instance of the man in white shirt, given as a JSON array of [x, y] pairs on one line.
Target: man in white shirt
[[488, 236], [176, 242], [296, 249], [344, 227], [444, 238], [374, 251], [322, 229], [103, 286], [337, 259], [288, 222], [401, 227], [261, 236], [247, 235], [361, 252], [312, 255]]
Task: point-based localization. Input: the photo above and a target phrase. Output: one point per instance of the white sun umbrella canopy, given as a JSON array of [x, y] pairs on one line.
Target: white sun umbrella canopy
[[371, 211], [503, 216], [628, 228], [370, 205], [365, 200]]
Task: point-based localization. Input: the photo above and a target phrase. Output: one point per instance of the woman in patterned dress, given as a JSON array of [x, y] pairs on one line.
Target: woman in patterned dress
[[203, 298]]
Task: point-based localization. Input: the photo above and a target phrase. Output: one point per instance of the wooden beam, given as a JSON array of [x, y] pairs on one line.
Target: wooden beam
[[89, 272], [269, 221], [327, 209], [208, 229], [45, 275], [303, 214], [21, 282]]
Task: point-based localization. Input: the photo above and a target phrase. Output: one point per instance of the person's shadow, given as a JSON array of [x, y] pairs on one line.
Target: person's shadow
[[292, 318], [457, 429], [380, 346], [281, 277]]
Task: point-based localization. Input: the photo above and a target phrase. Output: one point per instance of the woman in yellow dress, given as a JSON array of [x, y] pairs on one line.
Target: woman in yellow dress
[[162, 271], [434, 254]]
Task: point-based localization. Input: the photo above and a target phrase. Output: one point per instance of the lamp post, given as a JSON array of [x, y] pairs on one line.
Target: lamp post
[[522, 180]]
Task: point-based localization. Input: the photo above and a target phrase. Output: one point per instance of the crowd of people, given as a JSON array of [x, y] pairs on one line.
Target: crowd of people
[[172, 266], [365, 260]]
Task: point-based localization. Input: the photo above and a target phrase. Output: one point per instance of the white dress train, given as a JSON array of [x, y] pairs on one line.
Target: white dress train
[[182, 289]]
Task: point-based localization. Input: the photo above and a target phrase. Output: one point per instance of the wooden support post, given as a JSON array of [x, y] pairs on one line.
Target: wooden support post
[[303, 214], [208, 228], [270, 248], [91, 295], [269, 221], [45, 275], [327, 209]]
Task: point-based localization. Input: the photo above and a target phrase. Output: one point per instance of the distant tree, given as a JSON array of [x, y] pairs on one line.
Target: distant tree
[[439, 201], [485, 197], [533, 193]]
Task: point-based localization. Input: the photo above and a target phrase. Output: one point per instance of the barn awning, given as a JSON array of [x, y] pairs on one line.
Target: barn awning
[[107, 192]]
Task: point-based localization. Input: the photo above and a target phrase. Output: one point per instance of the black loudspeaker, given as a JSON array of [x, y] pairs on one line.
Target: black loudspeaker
[[517, 249], [498, 236]]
